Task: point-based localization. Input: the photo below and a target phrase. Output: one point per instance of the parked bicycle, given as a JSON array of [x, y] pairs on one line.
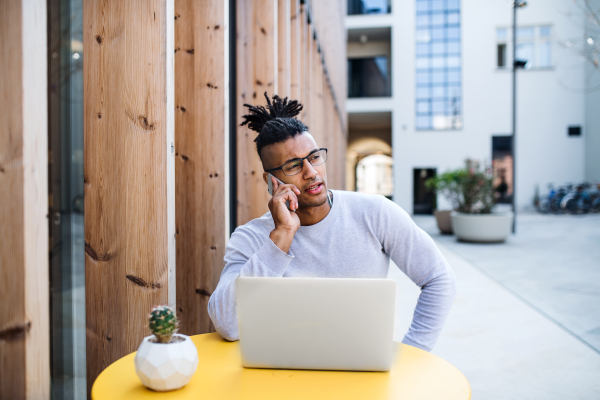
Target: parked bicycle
[[582, 198]]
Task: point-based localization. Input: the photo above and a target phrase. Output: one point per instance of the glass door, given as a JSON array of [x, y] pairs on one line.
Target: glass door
[[65, 141]]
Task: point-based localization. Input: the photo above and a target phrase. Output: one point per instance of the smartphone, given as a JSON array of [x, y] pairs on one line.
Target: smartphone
[[270, 188]]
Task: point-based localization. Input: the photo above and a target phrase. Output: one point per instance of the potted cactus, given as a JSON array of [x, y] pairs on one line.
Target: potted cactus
[[165, 360]]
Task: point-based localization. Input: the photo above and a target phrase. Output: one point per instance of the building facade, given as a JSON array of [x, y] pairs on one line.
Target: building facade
[[450, 93]]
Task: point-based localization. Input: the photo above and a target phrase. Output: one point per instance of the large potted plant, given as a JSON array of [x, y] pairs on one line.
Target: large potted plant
[[471, 193], [445, 184], [165, 360]]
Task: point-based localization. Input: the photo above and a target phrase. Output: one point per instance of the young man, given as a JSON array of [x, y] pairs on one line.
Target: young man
[[327, 233]]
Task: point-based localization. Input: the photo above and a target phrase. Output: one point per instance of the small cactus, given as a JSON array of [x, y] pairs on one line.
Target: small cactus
[[163, 323]]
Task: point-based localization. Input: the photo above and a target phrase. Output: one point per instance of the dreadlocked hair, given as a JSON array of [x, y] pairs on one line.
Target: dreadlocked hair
[[275, 123]]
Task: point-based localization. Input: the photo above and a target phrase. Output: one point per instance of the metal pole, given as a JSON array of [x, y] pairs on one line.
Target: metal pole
[[514, 113]]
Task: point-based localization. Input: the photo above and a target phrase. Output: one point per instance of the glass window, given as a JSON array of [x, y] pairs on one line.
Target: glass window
[[525, 33], [360, 7], [422, 6], [545, 31], [437, 19], [423, 20], [423, 107], [453, 5], [65, 170], [453, 18], [544, 55], [422, 49], [437, 62], [501, 59], [423, 122], [422, 63], [438, 65], [438, 48], [501, 34], [533, 46], [438, 91], [369, 77], [525, 53], [437, 5], [453, 47], [423, 36], [423, 93]]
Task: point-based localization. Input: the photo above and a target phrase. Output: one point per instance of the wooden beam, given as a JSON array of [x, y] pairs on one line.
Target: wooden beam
[[128, 172], [202, 155], [24, 280], [284, 48], [256, 73], [295, 51], [306, 40], [316, 101]]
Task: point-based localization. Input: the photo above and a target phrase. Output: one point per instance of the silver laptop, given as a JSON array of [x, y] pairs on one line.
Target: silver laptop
[[310, 323]]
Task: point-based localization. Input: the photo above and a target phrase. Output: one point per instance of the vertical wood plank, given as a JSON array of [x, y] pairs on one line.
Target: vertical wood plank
[[256, 73], [306, 67], [295, 50], [24, 280], [284, 48], [128, 172], [316, 101], [202, 155]]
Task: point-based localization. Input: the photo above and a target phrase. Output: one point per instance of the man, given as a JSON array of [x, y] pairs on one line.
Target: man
[[327, 233]]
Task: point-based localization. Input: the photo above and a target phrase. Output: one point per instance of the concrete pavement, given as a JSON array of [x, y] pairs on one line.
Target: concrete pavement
[[512, 341]]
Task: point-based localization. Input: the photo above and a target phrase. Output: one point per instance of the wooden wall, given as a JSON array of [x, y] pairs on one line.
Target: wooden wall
[[24, 281], [128, 172], [202, 155], [147, 187], [314, 65]]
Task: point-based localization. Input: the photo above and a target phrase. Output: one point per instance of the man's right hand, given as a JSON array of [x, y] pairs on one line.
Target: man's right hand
[[286, 221]]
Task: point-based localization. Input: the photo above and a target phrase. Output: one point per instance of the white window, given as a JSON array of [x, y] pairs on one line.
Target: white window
[[534, 45]]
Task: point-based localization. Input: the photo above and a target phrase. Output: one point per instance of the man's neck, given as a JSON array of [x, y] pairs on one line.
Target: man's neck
[[313, 215]]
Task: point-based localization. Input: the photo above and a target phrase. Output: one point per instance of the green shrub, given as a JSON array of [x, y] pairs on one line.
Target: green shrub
[[468, 189]]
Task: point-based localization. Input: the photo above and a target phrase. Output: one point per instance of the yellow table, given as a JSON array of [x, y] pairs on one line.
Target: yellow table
[[416, 374]]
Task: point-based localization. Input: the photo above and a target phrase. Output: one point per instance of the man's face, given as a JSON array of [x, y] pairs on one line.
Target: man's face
[[277, 154]]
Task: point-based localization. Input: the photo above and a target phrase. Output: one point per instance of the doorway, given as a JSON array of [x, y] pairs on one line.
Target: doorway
[[502, 166], [423, 198]]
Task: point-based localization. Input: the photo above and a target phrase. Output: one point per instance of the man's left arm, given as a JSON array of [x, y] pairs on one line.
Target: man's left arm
[[418, 257]]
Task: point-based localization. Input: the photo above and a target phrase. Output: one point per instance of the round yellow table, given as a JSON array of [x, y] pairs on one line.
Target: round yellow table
[[416, 374]]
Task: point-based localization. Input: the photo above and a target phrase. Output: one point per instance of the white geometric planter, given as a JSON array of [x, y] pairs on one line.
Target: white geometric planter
[[166, 366], [486, 228]]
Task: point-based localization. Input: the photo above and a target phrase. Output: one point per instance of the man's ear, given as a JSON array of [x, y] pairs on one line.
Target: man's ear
[[265, 176]]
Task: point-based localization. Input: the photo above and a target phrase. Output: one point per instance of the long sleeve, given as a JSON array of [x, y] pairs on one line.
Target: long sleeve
[[245, 255], [418, 257]]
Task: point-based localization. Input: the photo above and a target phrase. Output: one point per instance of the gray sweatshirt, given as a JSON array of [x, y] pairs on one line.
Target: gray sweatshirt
[[355, 240]]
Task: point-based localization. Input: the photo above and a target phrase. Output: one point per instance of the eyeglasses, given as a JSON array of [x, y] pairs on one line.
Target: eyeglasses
[[294, 167]]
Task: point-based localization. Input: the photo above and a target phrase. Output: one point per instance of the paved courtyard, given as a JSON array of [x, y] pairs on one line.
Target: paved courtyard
[[526, 320]]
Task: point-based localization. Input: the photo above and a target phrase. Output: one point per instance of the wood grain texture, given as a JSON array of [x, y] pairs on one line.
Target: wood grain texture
[[316, 77], [295, 50], [306, 66], [202, 149], [284, 48], [24, 280], [128, 172], [256, 74]]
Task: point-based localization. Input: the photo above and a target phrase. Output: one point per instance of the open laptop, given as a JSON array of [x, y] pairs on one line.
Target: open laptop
[[315, 323]]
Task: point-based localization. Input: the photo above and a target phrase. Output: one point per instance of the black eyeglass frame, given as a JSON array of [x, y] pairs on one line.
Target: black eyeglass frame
[[300, 159]]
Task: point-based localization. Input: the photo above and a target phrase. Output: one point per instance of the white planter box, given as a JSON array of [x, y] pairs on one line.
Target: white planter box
[[166, 366], [495, 227]]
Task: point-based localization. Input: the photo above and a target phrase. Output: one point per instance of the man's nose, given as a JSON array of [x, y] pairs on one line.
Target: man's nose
[[310, 172]]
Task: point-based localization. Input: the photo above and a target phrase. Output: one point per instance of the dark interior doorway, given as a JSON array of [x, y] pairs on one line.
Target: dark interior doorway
[[423, 199], [502, 165]]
